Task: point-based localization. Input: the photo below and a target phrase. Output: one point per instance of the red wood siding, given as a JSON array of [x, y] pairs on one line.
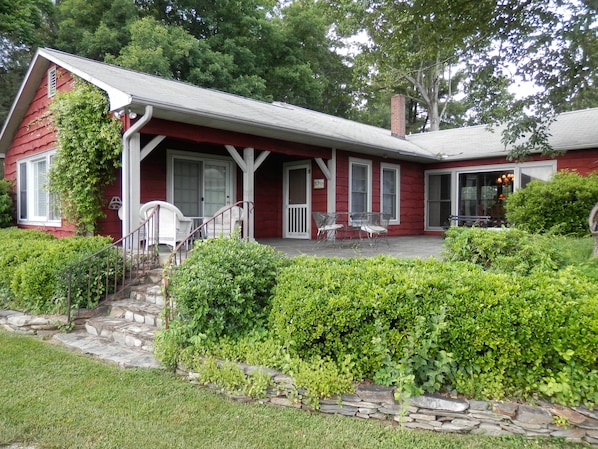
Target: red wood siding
[[201, 134], [268, 198], [411, 191], [35, 135], [583, 161]]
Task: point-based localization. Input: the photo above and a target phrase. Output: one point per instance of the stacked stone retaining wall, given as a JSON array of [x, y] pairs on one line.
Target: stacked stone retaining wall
[[436, 413]]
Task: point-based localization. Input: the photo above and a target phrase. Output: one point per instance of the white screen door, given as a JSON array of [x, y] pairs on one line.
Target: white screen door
[[296, 201]]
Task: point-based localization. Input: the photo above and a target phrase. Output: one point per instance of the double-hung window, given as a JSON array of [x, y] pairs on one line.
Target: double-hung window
[[34, 203], [389, 191], [360, 175]]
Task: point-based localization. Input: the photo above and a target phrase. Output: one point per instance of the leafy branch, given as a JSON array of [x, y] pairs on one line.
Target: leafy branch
[[88, 153]]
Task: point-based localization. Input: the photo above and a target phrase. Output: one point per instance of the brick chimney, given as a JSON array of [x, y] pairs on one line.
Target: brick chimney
[[397, 116]]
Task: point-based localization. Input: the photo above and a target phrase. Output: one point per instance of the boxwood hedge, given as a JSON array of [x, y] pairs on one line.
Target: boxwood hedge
[[502, 334], [33, 265]]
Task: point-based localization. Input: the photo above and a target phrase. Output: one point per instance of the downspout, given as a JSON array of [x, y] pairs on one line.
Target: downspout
[[126, 167]]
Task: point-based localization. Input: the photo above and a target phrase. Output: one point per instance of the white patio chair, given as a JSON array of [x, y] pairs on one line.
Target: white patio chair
[[173, 227], [374, 225], [327, 226], [226, 221]]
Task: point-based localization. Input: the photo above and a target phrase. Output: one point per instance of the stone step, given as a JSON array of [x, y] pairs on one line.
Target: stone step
[[151, 293], [107, 350], [154, 276], [123, 332], [137, 312]]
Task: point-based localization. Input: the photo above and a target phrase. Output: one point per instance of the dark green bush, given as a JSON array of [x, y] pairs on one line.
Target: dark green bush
[[506, 250], [483, 334], [225, 286], [561, 205], [6, 204], [33, 265]]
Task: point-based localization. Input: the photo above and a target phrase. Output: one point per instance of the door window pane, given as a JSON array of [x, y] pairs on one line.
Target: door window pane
[[298, 186], [439, 200], [187, 187], [216, 195]]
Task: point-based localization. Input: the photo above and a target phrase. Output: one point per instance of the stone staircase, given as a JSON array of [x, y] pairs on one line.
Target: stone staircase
[[124, 333]]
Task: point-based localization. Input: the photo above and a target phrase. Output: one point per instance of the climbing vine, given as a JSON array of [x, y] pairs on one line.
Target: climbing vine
[[89, 147]]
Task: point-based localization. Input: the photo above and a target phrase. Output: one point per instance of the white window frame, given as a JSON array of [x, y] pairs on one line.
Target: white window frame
[[397, 172], [34, 190], [455, 172], [368, 164]]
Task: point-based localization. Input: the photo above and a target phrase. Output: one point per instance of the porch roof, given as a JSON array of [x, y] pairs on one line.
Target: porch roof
[[186, 103], [575, 130]]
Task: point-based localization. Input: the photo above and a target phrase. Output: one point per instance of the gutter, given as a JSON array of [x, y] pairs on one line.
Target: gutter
[[126, 168]]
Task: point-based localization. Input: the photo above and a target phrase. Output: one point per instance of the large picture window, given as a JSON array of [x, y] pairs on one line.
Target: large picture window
[[360, 194], [389, 191], [34, 203]]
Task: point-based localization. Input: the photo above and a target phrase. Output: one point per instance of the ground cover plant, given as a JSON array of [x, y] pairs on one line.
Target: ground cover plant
[[505, 329], [33, 266], [53, 398]]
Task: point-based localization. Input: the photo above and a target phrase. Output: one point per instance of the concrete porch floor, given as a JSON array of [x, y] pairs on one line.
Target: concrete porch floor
[[419, 246]]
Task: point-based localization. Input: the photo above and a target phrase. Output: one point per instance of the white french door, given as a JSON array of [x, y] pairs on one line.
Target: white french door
[[201, 186], [296, 200]]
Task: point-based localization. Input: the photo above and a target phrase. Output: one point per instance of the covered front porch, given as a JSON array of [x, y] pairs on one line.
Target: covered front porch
[[419, 246]]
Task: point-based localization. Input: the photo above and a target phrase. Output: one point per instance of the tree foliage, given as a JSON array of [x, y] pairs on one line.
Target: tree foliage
[[416, 46], [89, 147], [24, 25], [254, 48]]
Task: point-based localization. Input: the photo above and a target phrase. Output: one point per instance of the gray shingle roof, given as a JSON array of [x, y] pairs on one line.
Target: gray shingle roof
[[576, 130], [187, 103]]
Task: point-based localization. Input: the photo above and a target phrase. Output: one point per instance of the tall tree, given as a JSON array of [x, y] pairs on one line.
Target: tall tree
[[24, 25], [414, 44], [252, 48]]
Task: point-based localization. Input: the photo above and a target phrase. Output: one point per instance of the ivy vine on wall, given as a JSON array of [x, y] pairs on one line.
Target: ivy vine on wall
[[89, 148]]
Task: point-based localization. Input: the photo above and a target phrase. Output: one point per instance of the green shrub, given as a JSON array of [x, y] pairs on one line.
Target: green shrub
[[225, 286], [561, 205], [505, 250], [39, 284], [496, 334], [33, 265], [6, 204]]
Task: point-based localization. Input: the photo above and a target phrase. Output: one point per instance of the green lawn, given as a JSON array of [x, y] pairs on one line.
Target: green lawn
[[54, 398]]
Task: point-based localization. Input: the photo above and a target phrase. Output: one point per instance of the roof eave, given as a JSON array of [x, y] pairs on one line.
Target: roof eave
[[248, 126]]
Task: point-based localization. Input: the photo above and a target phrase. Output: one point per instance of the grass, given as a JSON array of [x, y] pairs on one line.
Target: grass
[[54, 398]]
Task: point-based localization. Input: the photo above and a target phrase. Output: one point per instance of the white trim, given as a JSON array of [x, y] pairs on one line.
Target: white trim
[[456, 171], [397, 169], [368, 163], [52, 82], [33, 220]]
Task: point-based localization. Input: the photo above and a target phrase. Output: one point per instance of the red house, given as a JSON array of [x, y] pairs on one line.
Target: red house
[[201, 149]]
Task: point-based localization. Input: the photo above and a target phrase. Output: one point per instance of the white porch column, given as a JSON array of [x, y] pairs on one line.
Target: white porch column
[[248, 165], [131, 167], [329, 170], [135, 179]]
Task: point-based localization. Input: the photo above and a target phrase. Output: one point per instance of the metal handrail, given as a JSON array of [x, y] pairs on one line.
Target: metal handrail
[[112, 269], [201, 232]]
